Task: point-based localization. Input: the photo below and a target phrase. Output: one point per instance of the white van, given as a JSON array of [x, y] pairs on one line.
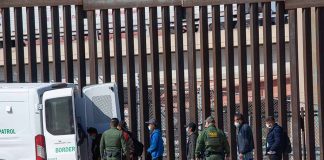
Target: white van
[[38, 121]]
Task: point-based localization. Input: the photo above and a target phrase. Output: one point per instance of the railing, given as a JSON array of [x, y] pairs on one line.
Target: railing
[[44, 56]]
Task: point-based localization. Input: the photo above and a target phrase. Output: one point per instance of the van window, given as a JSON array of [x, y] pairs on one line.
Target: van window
[[59, 116]]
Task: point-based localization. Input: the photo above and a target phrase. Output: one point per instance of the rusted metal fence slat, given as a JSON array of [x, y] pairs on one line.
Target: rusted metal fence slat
[[255, 62], [320, 77], [154, 45], [131, 88], [105, 46], [118, 59], [295, 108], [308, 74], [168, 82], [93, 64], [68, 46], [56, 46], [230, 83], [43, 40], [19, 39], [242, 60], [5, 12], [281, 67], [143, 76], [192, 73], [204, 52], [217, 64], [32, 61], [180, 82], [267, 49], [80, 46]]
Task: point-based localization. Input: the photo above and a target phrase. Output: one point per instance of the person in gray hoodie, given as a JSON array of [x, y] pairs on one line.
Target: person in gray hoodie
[[245, 144]]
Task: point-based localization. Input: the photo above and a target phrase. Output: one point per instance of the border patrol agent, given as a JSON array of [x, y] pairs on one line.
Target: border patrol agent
[[212, 142], [112, 144]]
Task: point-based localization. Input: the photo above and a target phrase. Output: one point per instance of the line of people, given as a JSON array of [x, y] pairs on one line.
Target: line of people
[[211, 143], [118, 143]]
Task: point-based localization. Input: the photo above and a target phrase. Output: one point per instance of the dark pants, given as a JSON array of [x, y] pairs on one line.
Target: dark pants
[[275, 156]]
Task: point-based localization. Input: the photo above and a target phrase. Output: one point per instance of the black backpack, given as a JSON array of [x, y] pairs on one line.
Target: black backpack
[[286, 143], [138, 146]]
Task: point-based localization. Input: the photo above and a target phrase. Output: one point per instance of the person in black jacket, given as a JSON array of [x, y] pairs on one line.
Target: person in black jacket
[[95, 147], [245, 144], [274, 139], [192, 139]]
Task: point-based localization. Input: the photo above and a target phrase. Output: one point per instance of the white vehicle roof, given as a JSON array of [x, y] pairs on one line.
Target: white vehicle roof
[[29, 85]]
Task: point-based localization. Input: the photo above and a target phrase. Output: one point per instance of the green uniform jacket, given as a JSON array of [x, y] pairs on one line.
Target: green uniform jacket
[[112, 143], [212, 144]]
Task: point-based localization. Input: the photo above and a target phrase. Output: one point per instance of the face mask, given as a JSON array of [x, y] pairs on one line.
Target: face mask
[[149, 128], [187, 129], [93, 137], [268, 126], [237, 124]]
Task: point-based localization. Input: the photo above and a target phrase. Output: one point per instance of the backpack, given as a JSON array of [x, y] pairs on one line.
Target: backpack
[[138, 146], [286, 143]]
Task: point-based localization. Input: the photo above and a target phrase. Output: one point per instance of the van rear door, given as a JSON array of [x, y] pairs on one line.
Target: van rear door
[[101, 104], [59, 124], [16, 135]]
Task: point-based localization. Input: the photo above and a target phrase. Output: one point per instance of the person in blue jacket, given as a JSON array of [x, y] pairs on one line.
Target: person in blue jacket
[[245, 144], [274, 139], [156, 148]]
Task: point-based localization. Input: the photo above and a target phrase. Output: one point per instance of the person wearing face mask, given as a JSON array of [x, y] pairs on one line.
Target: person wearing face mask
[[192, 139], [274, 139], [156, 148], [212, 143], [245, 143], [95, 137]]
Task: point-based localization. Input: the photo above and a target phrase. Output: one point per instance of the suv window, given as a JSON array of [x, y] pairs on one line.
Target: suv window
[[59, 116]]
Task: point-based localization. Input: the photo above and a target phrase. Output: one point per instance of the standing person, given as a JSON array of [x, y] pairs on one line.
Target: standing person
[[212, 142], [122, 126], [156, 148], [112, 144], [95, 146], [192, 139], [135, 147], [245, 143], [274, 139]]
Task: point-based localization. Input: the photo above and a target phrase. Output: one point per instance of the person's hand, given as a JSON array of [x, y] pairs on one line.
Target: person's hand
[[272, 152], [241, 156]]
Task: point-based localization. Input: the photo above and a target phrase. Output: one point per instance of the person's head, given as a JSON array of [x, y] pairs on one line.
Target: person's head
[[270, 121], [238, 119], [122, 126], [209, 121], [92, 132], [191, 127], [114, 122], [152, 124]]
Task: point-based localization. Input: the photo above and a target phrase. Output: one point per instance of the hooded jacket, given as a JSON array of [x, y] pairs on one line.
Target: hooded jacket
[[156, 148]]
